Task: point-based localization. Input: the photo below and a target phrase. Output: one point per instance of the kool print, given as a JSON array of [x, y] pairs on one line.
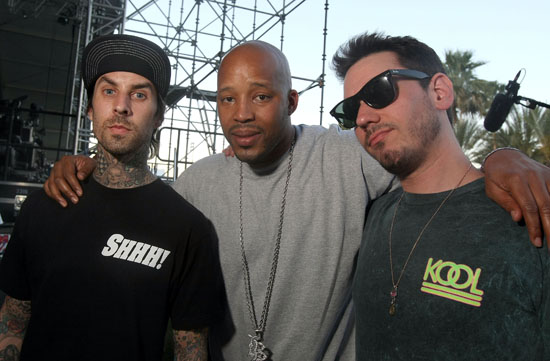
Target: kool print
[[451, 280]]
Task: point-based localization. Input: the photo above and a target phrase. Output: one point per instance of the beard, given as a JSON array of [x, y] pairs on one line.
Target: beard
[[133, 144], [404, 161]]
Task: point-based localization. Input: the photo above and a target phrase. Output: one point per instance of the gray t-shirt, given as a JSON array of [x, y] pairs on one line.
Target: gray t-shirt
[[332, 181]]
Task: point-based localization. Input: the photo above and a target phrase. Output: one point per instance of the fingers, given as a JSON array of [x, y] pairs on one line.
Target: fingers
[[522, 186], [528, 195], [64, 183], [84, 166], [540, 190], [535, 204], [63, 179], [53, 192], [517, 203], [228, 152]]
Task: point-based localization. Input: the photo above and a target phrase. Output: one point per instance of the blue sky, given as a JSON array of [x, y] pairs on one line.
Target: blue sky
[[508, 35]]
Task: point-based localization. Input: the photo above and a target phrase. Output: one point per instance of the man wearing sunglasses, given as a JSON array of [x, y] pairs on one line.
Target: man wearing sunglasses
[[443, 273], [289, 212]]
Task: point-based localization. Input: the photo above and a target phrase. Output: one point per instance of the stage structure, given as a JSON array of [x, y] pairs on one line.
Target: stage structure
[[195, 35]]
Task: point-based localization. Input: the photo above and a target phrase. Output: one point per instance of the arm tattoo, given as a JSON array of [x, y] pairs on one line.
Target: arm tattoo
[[9, 353], [190, 345], [14, 318]]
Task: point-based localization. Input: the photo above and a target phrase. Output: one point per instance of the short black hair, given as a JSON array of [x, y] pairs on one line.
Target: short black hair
[[411, 53]]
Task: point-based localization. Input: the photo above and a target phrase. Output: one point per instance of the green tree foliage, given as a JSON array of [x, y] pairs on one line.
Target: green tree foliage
[[517, 133], [473, 96], [525, 129], [469, 135], [539, 121]]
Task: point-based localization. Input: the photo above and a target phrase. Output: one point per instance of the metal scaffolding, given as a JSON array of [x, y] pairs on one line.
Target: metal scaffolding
[[195, 34]]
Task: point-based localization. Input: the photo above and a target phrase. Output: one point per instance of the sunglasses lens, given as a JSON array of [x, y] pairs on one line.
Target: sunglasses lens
[[378, 92], [350, 108], [345, 112]]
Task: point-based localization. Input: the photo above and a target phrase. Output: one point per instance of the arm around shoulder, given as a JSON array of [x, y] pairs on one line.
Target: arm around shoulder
[[522, 187], [65, 177], [14, 319]]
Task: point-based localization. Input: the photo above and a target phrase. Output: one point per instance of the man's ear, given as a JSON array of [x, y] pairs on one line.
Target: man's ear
[[442, 91], [292, 101], [89, 113], [158, 121]]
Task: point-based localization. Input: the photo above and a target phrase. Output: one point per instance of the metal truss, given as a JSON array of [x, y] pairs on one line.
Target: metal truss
[[195, 34]]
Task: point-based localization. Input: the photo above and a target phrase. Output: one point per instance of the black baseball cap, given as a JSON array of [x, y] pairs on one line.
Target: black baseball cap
[[121, 52]]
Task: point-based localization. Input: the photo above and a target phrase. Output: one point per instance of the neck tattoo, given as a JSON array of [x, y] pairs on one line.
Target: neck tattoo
[[257, 351], [113, 173], [393, 293]]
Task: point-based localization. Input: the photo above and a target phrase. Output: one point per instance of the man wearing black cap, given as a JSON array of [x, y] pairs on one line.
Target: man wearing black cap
[[100, 280]]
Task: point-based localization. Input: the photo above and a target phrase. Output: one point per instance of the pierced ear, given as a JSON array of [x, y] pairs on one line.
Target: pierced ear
[[292, 101], [442, 91]]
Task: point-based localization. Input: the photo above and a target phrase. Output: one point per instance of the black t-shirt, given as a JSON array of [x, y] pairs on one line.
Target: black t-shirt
[[105, 275], [474, 288]]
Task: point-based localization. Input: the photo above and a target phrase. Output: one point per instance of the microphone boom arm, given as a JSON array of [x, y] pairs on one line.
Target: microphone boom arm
[[529, 103]]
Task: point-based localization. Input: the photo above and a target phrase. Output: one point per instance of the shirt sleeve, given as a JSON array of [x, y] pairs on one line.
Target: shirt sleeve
[[544, 313], [13, 266], [199, 291], [377, 179]]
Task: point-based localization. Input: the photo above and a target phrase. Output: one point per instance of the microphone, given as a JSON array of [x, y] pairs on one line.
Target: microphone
[[501, 106]]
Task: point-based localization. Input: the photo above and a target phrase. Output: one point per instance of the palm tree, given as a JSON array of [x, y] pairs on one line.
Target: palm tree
[[473, 96], [539, 120], [469, 134], [518, 133], [527, 130]]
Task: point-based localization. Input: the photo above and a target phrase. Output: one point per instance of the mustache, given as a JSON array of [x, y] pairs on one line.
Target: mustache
[[372, 129], [118, 120], [245, 127]]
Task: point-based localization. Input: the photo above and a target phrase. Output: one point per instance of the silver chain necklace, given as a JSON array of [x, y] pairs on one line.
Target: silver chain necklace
[[256, 348]]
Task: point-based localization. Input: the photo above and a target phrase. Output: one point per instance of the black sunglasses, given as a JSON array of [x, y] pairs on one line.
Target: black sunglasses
[[378, 93]]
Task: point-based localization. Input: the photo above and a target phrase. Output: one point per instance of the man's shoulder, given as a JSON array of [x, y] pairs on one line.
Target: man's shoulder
[[39, 199], [166, 195], [385, 201], [209, 165], [207, 171], [331, 134], [332, 143]]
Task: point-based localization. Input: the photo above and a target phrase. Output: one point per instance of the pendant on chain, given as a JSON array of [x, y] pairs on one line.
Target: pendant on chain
[[256, 349], [393, 303]]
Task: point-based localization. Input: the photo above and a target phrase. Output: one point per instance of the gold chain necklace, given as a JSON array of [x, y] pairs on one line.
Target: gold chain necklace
[[393, 293]]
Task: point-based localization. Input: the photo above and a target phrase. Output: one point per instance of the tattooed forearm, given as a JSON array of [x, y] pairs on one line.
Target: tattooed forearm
[[190, 345], [9, 353], [14, 318]]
